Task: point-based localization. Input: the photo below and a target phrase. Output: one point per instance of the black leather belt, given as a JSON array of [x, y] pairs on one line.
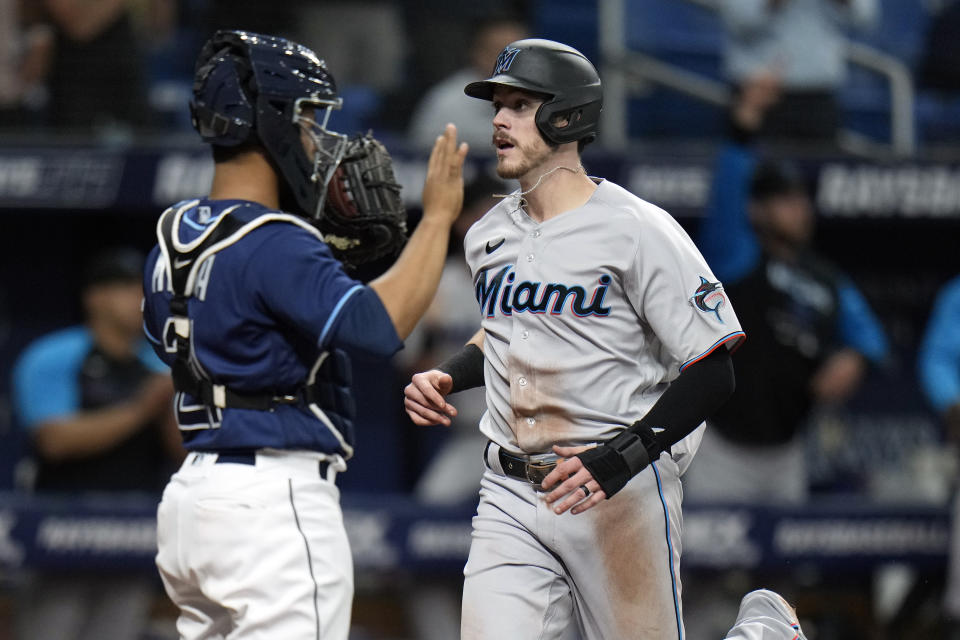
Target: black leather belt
[[522, 467], [251, 459]]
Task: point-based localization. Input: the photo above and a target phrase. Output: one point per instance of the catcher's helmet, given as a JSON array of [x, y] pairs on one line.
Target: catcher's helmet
[[250, 87], [558, 71]]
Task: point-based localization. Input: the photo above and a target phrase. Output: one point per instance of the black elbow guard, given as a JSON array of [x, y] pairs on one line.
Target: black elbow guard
[[613, 463]]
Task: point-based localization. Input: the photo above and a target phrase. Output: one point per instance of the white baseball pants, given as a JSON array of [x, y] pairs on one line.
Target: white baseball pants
[[255, 552]]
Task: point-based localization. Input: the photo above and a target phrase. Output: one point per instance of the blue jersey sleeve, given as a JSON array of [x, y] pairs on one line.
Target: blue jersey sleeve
[[365, 325], [939, 356], [858, 327], [45, 378], [153, 318], [300, 281], [726, 239]]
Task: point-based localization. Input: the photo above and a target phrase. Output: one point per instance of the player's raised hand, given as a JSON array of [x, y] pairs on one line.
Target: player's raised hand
[[443, 187], [424, 398], [573, 485]]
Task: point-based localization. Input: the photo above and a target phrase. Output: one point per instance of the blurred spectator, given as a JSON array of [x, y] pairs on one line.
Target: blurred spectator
[[801, 43], [96, 78], [939, 369], [446, 102], [24, 61], [811, 333], [362, 39], [438, 34], [939, 67], [98, 405], [939, 358], [171, 33]]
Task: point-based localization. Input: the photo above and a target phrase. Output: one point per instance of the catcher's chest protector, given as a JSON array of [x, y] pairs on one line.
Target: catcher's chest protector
[[183, 262]]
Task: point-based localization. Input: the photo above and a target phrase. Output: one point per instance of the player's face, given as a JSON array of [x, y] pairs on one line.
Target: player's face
[[117, 306], [788, 217], [520, 147]]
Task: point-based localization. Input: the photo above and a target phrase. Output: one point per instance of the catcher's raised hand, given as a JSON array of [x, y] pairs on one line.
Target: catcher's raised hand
[[424, 398], [443, 187]]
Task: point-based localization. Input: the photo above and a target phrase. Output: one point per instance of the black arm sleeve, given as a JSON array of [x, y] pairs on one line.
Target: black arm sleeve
[[465, 367], [701, 389]]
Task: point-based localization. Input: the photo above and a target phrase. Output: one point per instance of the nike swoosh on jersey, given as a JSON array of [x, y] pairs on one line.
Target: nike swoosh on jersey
[[180, 264], [493, 247]]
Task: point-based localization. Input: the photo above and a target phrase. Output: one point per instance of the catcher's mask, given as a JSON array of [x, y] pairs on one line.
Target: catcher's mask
[[270, 91], [253, 88]]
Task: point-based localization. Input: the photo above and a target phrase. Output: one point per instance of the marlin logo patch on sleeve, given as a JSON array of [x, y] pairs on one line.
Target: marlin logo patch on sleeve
[[709, 297]]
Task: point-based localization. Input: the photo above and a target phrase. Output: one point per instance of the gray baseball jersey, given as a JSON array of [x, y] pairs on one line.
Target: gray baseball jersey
[[588, 316]]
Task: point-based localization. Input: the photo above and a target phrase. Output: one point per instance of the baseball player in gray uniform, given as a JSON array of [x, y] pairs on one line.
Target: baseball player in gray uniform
[[604, 343]]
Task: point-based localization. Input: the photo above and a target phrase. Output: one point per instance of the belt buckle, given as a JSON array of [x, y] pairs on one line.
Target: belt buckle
[[537, 471]]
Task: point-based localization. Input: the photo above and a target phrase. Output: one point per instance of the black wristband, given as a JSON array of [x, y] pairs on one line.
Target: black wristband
[[614, 463], [648, 438], [465, 367]]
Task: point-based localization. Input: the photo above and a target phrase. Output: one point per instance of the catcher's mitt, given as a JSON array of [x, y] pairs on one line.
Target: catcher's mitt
[[363, 217]]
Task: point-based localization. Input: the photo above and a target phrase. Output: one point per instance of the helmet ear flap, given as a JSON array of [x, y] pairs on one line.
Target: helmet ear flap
[[563, 119], [560, 123], [222, 110]]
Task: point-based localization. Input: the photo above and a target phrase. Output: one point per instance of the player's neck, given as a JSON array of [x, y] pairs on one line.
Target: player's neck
[[563, 186], [248, 176]]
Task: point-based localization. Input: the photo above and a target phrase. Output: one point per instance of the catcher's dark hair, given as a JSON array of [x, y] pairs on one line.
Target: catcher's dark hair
[[773, 178], [226, 154]]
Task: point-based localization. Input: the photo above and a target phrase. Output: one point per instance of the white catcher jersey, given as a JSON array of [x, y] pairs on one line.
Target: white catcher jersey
[[588, 316]]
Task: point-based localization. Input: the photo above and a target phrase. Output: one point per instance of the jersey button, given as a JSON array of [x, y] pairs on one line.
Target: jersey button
[[522, 381], [529, 257], [536, 234], [525, 334], [531, 421]]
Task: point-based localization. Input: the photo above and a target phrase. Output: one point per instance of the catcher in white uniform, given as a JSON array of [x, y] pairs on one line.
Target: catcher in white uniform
[[604, 344]]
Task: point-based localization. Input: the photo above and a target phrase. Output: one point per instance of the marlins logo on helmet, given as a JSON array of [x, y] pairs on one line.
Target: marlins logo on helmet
[[505, 59]]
